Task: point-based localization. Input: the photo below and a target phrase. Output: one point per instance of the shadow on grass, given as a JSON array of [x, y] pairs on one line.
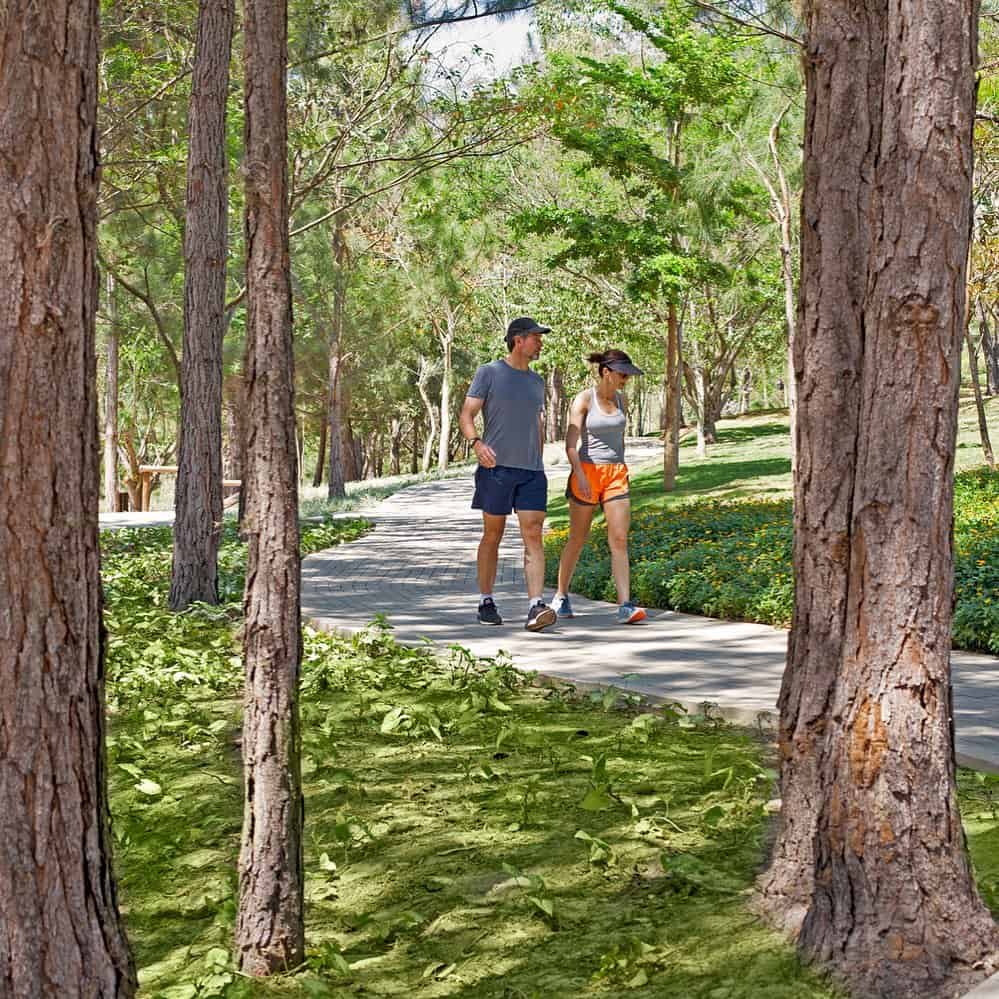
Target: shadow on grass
[[705, 477]]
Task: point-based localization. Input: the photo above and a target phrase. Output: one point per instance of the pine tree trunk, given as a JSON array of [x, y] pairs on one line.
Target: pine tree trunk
[[317, 475], [337, 473], [745, 391], [198, 524], [976, 385], [865, 730], [671, 402], [395, 444], [111, 405], [447, 341], [60, 930], [270, 934], [337, 488], [426, 370], [990, 351], [556, 401]]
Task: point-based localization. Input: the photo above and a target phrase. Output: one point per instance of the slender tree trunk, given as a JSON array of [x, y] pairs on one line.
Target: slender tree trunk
[[671, 402], [745, 390], [111, 404], [198, 522], [872, 840], [395, 444], [983, 425], [270, 935], [426, 370], [234, 397], [337, 475], [337, 471], [787, 273], [446, 336], [414, 464], [990, 351], [553, 415], [317, 475], [60, 930]]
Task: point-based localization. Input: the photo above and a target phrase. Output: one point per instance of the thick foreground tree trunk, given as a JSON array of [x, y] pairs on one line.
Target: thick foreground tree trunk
[[198, 524], [865, 730], [60, 931], [270, 934]]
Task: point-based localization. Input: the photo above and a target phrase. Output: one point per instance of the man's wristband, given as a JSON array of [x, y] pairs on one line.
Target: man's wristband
[[474, 441]]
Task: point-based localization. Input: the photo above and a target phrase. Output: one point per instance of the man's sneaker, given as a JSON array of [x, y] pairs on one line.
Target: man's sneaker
[[539, 616], [488, 613], [630, 614], [562, 607]]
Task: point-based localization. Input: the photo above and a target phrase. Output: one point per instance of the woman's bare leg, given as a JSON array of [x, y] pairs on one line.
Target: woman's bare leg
[[580, 519], [617, 513]]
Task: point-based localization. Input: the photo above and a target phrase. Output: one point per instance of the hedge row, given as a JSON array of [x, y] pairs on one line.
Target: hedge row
[[732, 559]]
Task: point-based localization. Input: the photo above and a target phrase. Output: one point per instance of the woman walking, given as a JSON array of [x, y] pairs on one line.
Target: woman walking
[[594, 445]]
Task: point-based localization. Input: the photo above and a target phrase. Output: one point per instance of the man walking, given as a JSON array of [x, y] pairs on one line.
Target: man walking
[[511, 473]]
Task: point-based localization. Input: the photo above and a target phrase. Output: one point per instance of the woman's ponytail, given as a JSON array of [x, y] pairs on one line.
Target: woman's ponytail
[[604, 357]]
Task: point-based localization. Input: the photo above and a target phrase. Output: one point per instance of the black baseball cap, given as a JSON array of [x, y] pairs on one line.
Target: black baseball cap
[[624, 367], [524, 326]]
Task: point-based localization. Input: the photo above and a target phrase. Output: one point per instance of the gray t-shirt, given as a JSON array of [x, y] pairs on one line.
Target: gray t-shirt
[[512, 404]]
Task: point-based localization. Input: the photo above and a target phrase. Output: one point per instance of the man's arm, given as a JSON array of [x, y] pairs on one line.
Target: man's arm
[[469, 411]]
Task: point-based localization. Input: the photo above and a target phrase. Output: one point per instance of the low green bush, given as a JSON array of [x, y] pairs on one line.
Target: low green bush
[[732, 559]]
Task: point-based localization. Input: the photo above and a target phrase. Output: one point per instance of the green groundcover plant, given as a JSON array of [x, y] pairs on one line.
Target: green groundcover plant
[[732, 559], [468, 832]]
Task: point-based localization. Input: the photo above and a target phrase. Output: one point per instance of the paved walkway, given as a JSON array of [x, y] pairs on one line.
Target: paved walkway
[[418, 568]]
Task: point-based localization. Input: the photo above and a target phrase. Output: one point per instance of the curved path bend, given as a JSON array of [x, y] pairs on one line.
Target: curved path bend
[[417, 567]]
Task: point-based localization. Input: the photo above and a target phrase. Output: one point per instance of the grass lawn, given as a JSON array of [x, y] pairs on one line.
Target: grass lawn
[[468, 833]]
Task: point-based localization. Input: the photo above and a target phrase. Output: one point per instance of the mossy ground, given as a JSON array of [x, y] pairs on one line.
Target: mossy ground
[[468, 833]]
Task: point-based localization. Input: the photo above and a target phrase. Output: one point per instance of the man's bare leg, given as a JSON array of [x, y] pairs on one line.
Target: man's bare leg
[[488, 555], [532, 523]]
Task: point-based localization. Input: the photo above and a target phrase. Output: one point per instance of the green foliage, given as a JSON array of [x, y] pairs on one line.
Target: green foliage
[[446, 805], [732, 559]]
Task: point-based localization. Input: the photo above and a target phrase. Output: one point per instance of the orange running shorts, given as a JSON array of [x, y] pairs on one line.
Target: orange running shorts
[[607, 483]]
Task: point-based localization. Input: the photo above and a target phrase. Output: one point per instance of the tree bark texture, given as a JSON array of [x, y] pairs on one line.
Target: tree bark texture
[[111, 405], [871, 841], [269, 928], [198, 524], [60, 931]]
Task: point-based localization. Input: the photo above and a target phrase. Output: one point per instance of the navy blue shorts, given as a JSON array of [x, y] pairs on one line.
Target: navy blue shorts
[[502, 489]]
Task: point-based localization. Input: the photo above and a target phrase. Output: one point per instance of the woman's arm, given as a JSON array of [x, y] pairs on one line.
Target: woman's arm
[[573, 433]]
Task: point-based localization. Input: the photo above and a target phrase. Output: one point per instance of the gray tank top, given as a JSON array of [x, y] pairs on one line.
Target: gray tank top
[[603, 434]]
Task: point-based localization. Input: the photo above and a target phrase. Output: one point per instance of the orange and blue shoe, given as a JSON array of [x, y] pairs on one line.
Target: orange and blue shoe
[[630, 614]]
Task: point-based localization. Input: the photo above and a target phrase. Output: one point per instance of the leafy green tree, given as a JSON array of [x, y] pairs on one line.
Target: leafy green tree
[[629, 120]]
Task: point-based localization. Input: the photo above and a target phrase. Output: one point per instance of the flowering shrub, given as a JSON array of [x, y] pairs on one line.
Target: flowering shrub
[[732, 559]]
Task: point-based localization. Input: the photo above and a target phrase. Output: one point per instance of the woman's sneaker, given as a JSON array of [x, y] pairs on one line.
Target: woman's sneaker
[[488, 613], [539, 616], [562, 607], [630, 614]]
